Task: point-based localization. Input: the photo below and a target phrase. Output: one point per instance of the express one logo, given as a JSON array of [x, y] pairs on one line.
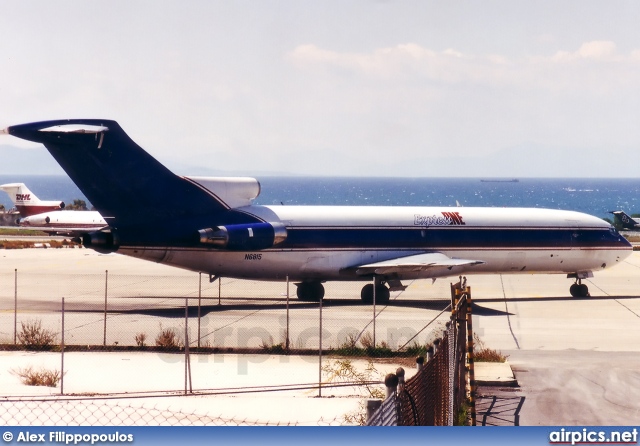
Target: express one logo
[[445, 219]]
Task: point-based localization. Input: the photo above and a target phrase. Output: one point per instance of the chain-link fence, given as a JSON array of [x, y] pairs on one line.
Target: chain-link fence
[[147, 311], [105, 412], [435, 395], [187, 313]]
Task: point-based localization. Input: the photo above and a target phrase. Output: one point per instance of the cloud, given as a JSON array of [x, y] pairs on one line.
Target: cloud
[[597, 50], [564, 69]]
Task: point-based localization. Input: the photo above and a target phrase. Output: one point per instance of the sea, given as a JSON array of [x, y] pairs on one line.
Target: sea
[[596, 196]]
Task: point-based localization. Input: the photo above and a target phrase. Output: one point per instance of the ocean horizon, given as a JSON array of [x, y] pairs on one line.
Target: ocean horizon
[[595, 196]]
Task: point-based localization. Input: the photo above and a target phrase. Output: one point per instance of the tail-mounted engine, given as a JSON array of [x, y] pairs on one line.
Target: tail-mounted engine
[[104, 241], [244, 237]]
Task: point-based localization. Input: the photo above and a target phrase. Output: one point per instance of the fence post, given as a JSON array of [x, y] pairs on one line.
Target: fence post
[[15, 307], [472, 378], [430, 352], [320, 354], [391, 384], [199, 304], [286, 338], [106, 282], [451, 372], [400, 375], [374, 312], [187, 360], [419, 363], [62, 353]]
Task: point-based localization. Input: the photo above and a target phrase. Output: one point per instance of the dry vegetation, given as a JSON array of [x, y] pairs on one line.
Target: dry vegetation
[[22, 244], [33, 337], [41, 377], [483, 354]]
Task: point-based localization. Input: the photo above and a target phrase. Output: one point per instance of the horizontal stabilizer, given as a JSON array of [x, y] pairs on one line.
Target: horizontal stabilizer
[[414, 264]]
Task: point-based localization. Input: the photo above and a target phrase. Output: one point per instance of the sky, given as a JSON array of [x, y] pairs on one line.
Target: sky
[[335, 87]]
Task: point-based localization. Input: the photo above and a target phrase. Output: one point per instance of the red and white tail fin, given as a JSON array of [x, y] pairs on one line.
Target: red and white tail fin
[[26, 202]]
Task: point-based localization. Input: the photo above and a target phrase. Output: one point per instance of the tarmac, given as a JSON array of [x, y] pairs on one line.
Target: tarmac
[[570, 361]]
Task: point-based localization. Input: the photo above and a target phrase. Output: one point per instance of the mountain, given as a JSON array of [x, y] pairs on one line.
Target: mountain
[[33, 161]]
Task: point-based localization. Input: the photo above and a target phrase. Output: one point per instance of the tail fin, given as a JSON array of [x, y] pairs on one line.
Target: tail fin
[[124, 183], [625, 220], [26, 201]]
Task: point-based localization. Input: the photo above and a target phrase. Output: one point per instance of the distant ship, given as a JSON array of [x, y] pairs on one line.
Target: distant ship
[[512, 180]]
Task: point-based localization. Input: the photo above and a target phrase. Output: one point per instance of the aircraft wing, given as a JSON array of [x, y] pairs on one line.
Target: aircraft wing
[[414, 264]]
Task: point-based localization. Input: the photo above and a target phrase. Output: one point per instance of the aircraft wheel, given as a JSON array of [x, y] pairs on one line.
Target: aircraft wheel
[[382, 294], [310, 291], [367, 294], [579, 290], [573, 289], [584, 290]]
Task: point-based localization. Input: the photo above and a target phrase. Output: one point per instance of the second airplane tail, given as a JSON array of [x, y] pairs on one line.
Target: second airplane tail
[[26, 201]]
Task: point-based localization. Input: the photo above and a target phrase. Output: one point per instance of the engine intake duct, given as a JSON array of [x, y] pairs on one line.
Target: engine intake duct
[[104, 241], [244, 237]]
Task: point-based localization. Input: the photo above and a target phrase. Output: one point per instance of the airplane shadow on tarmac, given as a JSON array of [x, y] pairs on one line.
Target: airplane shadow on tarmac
[[258, 304]]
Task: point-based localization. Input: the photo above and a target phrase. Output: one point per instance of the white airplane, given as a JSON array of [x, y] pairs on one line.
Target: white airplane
[[210, 225], [71, 223], [26, 201], [47, 216]]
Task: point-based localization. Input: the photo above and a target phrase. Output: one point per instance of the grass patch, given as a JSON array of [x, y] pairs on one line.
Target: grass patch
[[41, 377], [19, 231], [417, 350], [350, 347], [168, 338], [140, 340], [33, 337], [483, 354], [24, 244]]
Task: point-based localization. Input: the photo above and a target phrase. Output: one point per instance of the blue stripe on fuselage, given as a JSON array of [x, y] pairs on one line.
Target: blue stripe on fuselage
[[451, 237]]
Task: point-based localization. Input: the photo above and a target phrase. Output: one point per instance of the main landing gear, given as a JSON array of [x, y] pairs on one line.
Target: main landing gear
[[578, 289], [314, 291], [382, 293], [310, 291]]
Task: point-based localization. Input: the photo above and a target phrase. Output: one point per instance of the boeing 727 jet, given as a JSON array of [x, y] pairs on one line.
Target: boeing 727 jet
[[215, 228]]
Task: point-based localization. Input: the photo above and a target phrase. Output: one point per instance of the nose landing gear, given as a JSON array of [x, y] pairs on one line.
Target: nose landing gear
[[578, 289]]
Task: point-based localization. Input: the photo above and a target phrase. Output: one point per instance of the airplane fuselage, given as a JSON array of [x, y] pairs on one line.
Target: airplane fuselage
[[329, 242]]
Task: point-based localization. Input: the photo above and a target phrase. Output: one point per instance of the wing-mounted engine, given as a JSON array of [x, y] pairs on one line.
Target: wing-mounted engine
[[244, 237]]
